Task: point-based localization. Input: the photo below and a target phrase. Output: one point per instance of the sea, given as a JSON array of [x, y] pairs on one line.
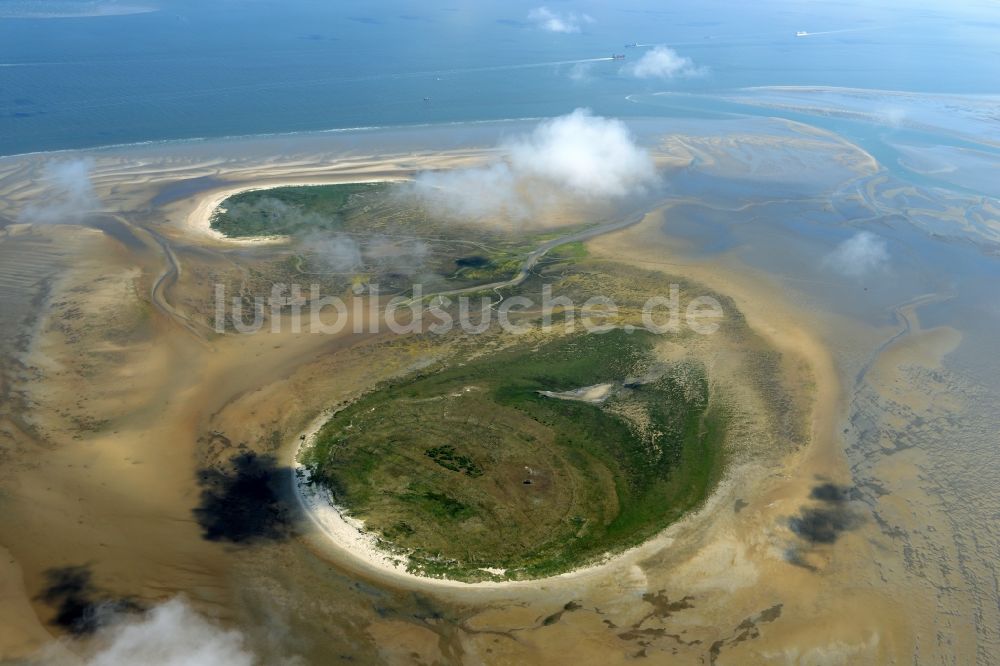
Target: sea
[[88, 73]]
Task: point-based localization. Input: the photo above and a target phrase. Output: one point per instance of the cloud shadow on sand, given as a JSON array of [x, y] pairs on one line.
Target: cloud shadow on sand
[[246, 501], [81, 607], [824, 522]]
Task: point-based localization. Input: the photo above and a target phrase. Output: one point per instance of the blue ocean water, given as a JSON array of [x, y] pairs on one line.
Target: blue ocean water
[[173, 69]]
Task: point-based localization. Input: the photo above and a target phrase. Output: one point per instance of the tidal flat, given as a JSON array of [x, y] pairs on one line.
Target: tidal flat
[[134, 433]]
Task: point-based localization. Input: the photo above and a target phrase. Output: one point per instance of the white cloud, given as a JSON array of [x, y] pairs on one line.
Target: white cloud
[[894, 116], [661, 62], [580, 72], [405, 256], [581, 155], [68, 194], [339, 252], [859, 255], [546, 19], [588, 154], [472, 193], [172, 634]]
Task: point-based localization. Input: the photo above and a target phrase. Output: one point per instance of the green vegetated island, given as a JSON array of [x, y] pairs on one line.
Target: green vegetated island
[[528, 461], [368, 232], [282, 211], [528, 457]]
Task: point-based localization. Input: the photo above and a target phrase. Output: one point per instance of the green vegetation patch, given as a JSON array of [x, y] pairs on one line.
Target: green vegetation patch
[[495, 266], [470, 466], [375, 230], [287, 210], [574, 250], [447, 457]]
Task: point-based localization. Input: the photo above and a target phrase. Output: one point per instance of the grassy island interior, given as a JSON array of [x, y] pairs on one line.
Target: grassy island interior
[[471, 467], [391, 233]]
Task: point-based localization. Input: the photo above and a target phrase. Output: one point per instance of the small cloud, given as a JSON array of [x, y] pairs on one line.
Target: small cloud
[[173, 634], [169, 634], [588, 154], [341, 253], [663, 63], [68, 194], [338, 252], [580, 72], [893, 116], [578, 155], [546, 19], [859, 255], [472, 193]]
